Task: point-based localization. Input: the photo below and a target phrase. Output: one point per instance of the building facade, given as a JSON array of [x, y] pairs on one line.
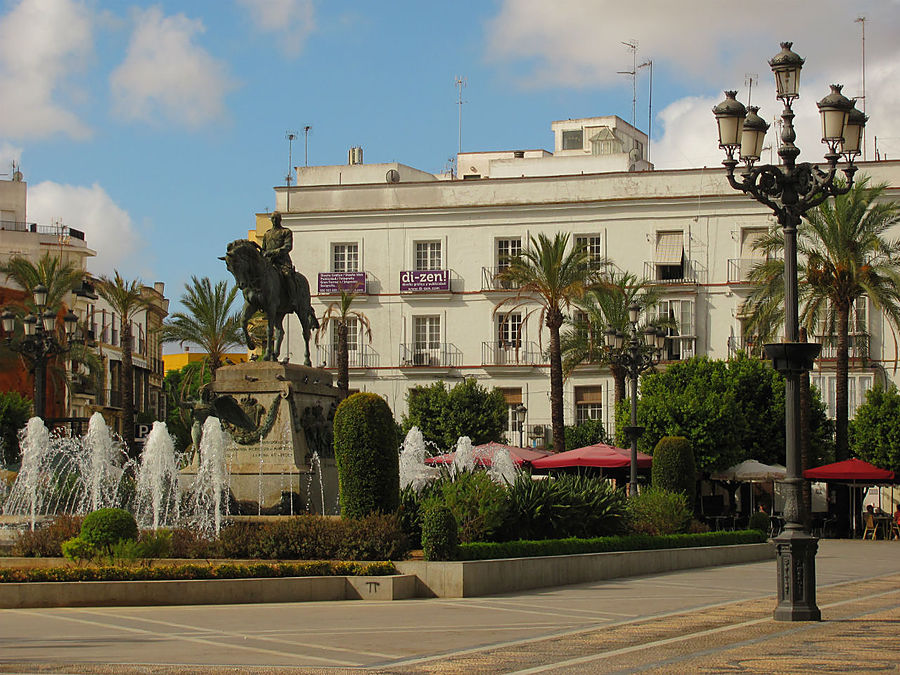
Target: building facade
[[424, 251]]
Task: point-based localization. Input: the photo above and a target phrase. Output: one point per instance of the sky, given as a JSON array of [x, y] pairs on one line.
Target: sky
[[159, 129]]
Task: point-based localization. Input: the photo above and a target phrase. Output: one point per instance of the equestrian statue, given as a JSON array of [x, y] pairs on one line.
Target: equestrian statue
[[270, 284]]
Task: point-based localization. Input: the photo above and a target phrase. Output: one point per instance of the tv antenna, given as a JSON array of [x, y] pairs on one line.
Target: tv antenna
[[649, 64], [460, 83], [306, 130], [749, 80], [290, 136], [632, 45], [862, 21]]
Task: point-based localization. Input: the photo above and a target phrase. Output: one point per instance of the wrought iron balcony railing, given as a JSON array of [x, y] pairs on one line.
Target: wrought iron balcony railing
[[506, 353], [439, 355], [361, 357], [490, 282]]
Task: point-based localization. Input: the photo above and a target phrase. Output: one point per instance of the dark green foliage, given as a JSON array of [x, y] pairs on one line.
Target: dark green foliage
[[477, 503], [180, 386], [467, 409], [365, 448], [658, 511], [759, 521], [105, 527], [410, 515], [46, 541], [673, 467], [629, 542], [875, 431], [565, 506], [729, 410], [15, 410], [78, 550], [586, 433], [440, 533], [221, 571], [375, 537]]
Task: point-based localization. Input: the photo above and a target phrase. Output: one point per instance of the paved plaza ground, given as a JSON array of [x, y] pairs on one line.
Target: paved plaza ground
[[699, 621]]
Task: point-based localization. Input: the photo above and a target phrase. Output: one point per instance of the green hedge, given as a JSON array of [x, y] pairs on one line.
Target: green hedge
[[365, 450], [674, 468], [630, 542], [183, 572]]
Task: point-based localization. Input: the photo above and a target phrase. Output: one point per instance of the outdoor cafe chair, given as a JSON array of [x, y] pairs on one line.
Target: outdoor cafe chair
[[894, 531], [870, 527]]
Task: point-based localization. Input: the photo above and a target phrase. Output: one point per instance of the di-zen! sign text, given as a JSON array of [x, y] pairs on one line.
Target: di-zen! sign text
[[412, 281]]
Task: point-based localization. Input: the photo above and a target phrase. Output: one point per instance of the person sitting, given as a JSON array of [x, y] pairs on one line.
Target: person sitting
[[897, 515]]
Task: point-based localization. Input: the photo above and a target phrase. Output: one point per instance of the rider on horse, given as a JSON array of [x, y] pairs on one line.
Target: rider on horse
[[276, 247]]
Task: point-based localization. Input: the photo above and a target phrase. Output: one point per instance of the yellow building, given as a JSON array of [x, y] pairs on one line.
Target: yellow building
[[179, 361]]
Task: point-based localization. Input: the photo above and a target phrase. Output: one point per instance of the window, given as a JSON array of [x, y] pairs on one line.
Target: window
[[114, 341], [509, 330], [604, 142], [426, 333], [573, 140], [513, 398], [593, 244], [345, 258], [352, 337], [857, 388], [428, 255], [588, 403], [677, 317], [507, 249], [669, 258]]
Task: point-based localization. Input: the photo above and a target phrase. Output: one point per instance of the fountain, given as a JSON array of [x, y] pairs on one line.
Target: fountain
[[413, 469], [464, 459], [211, 484], [156, 499], [503, 469]]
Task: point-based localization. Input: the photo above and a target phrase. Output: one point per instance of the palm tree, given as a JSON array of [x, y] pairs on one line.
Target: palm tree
[[126, 298], [207, 321], [843, 256], [553, 276], [603, 307], [342, 316], [59, 277]]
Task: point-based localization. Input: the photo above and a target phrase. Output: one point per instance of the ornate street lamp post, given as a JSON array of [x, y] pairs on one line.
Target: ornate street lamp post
[[634, 353], [790, 190], [40, 341], [521, 412]]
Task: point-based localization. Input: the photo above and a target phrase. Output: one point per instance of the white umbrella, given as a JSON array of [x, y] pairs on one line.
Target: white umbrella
[[750, 471]]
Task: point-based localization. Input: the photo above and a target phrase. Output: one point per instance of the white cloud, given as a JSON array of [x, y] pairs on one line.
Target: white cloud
[[165, 74], [108, 228], [290, 20], [42, 42], [8, 154]]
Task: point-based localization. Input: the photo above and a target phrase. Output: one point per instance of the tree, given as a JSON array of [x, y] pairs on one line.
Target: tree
[[208, 320], [729, 410], [875, 431], [843, 256], [342, 317], [126, 299], [15, 410], [604, 307], [468, 409], [587, 433], [553, 276], [180, 386]]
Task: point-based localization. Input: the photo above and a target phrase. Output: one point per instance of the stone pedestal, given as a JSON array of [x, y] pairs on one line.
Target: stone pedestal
[[286, 463]]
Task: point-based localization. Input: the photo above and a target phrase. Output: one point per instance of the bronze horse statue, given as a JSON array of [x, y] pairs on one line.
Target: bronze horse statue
[[264, 290]]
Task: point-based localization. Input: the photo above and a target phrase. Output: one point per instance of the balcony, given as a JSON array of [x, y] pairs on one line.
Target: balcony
[[661, 273], [111, 398], [17, 226], [499, 354], [490, 282], [739, 269], [360, 358], [83, 384], [751, 346], [858, 347], [437, 355]]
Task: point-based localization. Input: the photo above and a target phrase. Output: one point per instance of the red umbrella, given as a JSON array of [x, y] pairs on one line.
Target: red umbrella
[[484, 455], [598, 455], [850, 470]]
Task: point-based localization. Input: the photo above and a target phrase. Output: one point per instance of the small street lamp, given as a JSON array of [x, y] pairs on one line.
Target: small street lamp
[[40, 341], [521, 411], [634, 353], [790, 190]]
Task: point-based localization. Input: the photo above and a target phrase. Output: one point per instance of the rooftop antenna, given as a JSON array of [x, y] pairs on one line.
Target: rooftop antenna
[[749, 80], [632, 45], [460, 82], [862, 21], [306, 130], [290, 136], [649, 64]]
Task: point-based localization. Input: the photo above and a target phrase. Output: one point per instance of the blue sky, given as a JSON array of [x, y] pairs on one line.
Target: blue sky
[[159, 129]]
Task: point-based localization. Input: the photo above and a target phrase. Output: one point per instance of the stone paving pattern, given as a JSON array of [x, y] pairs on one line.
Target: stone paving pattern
[[715, 620]]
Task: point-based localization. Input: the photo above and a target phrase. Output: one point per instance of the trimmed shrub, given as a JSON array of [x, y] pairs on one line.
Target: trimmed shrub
[[477, 503], [105, 527], [46, 542], [630, 542], [656, 511], [673, 467], [439, 533], [365, 449], [78, 550], [759, 521], [564, 506], [15, 410]]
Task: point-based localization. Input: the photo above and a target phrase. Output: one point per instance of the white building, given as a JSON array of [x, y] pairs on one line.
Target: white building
[[428, 248]]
